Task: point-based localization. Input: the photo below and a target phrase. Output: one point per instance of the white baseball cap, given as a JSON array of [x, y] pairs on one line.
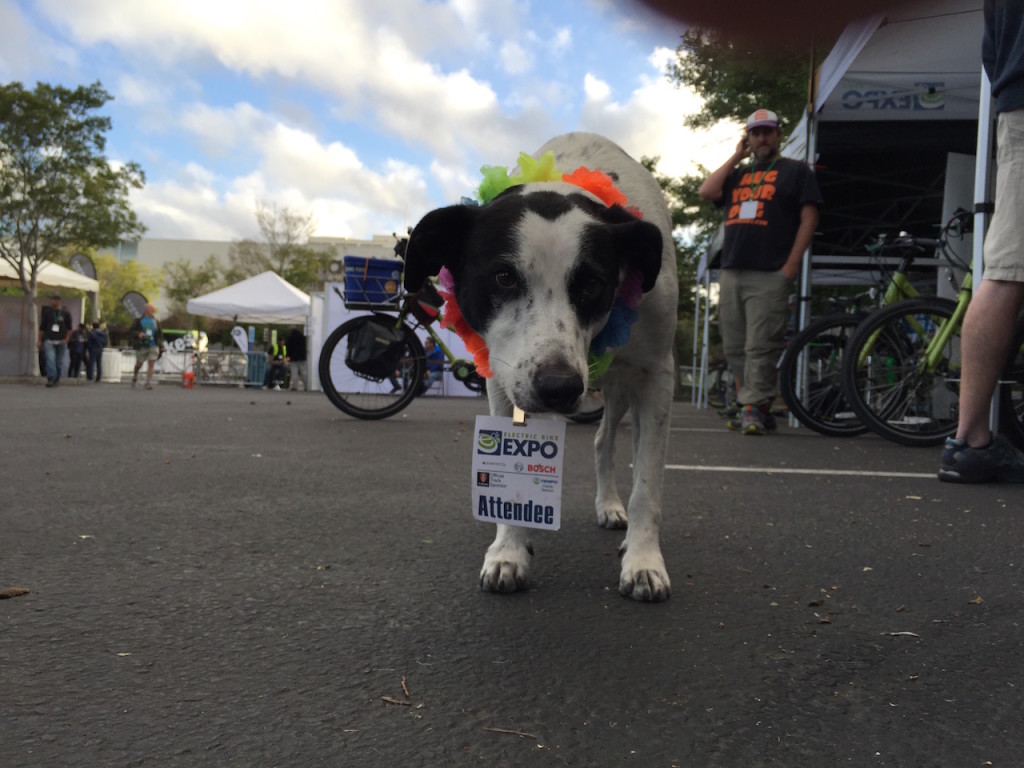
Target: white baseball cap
[[762, 118]]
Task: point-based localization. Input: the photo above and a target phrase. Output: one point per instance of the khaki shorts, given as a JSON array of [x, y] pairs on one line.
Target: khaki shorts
[[1004, 242], [142, 354]]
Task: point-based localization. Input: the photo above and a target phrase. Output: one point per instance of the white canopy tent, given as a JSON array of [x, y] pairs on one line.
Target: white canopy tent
[[265, 299], [897, 106], [50, 275], [17, 330]]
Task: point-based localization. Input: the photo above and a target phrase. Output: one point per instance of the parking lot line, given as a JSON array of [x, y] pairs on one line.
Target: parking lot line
[[792, 471]]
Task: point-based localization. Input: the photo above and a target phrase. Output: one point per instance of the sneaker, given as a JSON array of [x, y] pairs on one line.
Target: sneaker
[[277, 387], [750, 422], [998, 461], [135, 381], [149, 386], [768, 419]]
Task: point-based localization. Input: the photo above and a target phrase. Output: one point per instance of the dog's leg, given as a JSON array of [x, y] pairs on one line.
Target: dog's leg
[[643, 575], [611, 512], [507, 562]]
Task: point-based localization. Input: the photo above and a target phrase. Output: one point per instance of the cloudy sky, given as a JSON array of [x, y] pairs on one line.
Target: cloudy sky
[[365, 113]]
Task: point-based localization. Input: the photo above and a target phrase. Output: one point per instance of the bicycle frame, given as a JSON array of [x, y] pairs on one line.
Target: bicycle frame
[[463, 370], [898, 289], [933, 352]]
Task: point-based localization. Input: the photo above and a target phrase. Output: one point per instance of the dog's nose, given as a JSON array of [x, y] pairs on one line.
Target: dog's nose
[[559, 388]]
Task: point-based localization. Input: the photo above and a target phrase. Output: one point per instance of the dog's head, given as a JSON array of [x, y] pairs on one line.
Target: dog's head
[[536, 271]]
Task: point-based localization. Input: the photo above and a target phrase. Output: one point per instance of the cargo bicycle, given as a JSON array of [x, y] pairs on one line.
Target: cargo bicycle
[[374, 365]]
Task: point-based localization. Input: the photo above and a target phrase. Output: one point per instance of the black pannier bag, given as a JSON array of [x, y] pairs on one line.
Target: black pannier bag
[[375, 349]]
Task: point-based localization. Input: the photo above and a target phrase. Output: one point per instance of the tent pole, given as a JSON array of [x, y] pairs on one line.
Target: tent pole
[[803, 297], [696, 331], [702, 401]]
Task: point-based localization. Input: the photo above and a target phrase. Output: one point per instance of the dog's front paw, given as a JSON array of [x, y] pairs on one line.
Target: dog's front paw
[[644, 578], [506, 570], [611, 515]]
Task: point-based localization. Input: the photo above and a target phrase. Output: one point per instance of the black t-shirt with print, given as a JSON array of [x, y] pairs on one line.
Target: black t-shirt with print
[[762, 212], [51, 317]]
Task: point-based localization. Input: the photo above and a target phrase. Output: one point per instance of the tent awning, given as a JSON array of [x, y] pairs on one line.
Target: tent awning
[[266, 298], [50, 275]]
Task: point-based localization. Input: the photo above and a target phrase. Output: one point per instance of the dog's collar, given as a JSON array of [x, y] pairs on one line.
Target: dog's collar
[[616, 330]]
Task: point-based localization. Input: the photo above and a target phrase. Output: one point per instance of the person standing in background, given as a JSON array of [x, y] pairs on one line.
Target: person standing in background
[[54, 331], [148, 339], [295, 343], [95, 343], [76, 351], [771, 211], [975, 455]]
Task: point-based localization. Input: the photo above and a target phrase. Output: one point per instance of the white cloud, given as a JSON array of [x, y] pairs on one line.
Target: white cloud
[[28, 54], [275, 102], [650, 121], [595, 89], [515, 59], [292, 167], [562, 40]]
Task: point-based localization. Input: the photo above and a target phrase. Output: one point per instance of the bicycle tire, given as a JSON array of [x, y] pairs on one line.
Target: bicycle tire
[[822, 406], [883, 377], [366, 397], [591, 410], [1011, 393]]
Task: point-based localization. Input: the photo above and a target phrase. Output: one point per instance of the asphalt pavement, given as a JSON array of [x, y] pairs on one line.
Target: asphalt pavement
[[225, 577]]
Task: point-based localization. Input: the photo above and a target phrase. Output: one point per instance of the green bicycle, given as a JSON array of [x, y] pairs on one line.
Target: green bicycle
[[901, 372]]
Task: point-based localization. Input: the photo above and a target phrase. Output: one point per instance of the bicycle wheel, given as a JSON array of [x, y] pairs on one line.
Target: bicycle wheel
[[374, 394], [820, 404], [888, 380], [1011, 392], [591, 409]]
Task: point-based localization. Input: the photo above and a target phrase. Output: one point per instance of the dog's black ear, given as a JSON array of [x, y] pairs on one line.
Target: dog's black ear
[[639, 242], [437, 241]]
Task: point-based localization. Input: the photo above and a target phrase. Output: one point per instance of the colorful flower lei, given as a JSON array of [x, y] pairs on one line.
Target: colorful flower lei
[[624, 309]]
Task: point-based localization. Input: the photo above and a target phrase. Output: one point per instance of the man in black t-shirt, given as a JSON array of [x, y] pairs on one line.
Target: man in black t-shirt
[[54, 330], [771, 210]]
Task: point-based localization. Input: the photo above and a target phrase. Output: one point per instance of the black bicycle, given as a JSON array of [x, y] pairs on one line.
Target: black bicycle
[[372, 366]]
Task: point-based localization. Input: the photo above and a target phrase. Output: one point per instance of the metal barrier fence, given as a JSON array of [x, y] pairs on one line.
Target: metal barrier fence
[[230, 367]]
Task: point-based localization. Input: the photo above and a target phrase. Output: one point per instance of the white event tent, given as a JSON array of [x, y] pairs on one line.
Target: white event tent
[[50, 275], [17, 331], [266, 299]]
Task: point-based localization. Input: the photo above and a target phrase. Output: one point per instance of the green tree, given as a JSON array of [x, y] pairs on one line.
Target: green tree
[[117, 278], [734, 79], [183, 281], [284, 249], [57, 188]]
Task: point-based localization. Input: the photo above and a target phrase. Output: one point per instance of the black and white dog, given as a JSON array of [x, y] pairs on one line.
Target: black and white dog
[[536, 272]]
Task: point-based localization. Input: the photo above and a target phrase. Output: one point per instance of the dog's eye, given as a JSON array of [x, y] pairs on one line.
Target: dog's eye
[[506, 279], [592, 288]]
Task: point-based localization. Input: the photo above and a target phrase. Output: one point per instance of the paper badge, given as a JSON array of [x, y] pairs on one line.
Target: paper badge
[[517, 472]]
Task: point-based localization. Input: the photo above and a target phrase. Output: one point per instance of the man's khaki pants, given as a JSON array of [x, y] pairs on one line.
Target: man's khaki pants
[[753, 312]]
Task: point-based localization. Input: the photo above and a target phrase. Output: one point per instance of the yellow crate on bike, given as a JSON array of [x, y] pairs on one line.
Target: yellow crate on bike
[[371, 282]]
